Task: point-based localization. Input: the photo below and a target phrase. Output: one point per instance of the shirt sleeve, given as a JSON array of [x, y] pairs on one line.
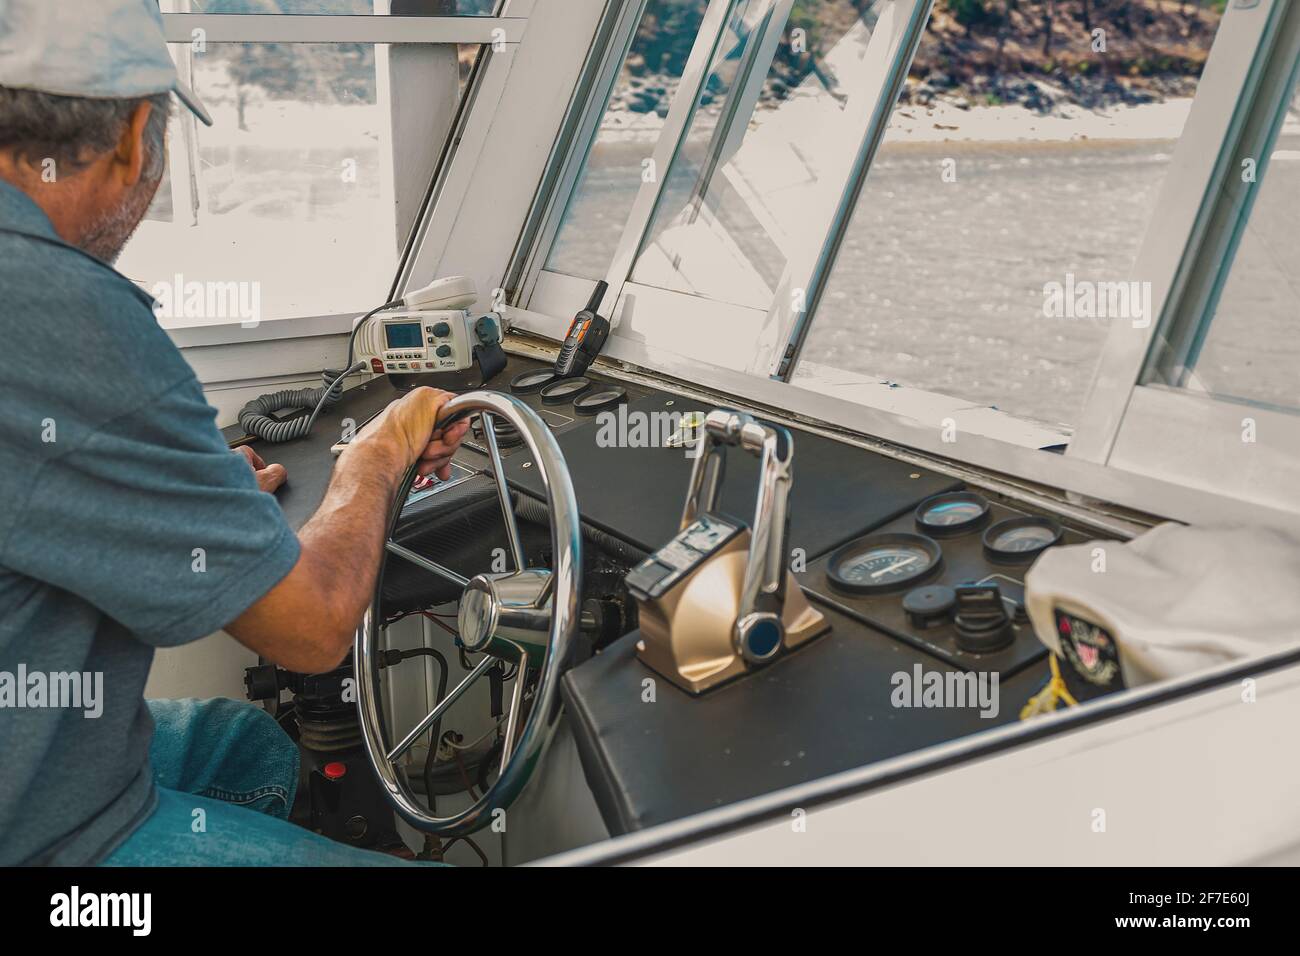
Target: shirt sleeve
[[155, 522]]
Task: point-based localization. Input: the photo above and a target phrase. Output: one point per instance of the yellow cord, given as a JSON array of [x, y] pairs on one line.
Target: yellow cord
[[1047, 699]]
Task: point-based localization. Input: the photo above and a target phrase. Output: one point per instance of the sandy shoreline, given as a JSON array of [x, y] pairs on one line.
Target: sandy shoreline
[[945, 121]]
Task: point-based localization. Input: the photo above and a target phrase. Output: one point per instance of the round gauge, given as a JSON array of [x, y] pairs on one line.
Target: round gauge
[[525, 383], [1020, 539], [564, 390], [950, 514], [880, 563], [598, 400]]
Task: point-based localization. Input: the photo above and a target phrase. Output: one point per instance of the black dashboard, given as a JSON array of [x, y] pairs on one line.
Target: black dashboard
[[904, 584]]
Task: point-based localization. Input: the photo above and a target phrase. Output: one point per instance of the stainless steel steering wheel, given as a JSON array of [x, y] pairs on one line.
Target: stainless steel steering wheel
[[528, 616]]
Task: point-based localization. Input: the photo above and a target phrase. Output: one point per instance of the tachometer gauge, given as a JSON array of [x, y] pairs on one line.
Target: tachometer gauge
[[880, 563], [1020, 539], [956, 512]]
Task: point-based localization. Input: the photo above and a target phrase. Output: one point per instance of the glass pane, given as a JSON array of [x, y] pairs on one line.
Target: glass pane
[[1006, 178], [406, 8], [626, 138], [1250, 348], [735, 203], [288, 195]]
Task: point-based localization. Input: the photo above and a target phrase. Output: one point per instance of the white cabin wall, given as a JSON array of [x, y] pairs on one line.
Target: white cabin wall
[[211, 667]]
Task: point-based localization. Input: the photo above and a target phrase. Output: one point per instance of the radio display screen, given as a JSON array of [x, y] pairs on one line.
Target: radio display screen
[[404, 336]]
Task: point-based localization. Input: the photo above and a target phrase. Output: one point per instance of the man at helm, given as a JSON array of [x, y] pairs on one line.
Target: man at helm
[[113, 477]]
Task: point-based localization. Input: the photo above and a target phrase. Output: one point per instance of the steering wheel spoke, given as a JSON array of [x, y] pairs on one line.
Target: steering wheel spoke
[[420, 561], [516, 705], [503, 492], [528, 616], [444, 705]]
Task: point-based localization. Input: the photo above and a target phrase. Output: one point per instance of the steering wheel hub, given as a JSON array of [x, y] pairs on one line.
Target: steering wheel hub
[[499, 612]]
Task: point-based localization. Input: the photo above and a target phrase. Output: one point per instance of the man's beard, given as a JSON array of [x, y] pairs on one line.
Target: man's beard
[[108, 235]]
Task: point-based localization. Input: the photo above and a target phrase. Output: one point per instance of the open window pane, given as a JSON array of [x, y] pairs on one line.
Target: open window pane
[[1001, 217], [284, 207], [634, 117], [735, 204], [1247, 347]]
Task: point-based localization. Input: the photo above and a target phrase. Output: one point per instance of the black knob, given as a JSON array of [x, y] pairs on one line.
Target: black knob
[[442, 330], [444, 351], [262, 682], [929, 606], [981, 619]]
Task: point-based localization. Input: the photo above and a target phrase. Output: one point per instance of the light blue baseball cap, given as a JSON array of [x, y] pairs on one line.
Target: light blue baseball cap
[[98, 49]]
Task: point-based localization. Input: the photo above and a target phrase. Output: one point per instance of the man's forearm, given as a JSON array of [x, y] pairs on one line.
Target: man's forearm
[[307, 622], [343, 542]]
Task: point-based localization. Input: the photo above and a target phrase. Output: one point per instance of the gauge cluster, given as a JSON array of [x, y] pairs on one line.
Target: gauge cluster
[[947, 578]]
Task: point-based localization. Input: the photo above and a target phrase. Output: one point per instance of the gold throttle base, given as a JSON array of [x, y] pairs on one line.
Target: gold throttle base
[[688, 634]]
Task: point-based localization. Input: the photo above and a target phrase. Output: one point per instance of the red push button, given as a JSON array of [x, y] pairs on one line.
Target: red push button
[[335, 770]]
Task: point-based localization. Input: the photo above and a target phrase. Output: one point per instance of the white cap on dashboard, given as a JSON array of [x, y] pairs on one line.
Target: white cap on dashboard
[[1170, 602]]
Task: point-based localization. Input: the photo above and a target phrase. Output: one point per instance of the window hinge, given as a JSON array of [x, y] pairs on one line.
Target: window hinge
[[783, 368]]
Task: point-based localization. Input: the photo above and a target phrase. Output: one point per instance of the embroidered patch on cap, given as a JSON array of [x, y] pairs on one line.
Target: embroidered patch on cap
[[1090, 650]]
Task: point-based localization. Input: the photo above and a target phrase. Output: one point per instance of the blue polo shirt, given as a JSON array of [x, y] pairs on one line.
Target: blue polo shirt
[[126, 524]]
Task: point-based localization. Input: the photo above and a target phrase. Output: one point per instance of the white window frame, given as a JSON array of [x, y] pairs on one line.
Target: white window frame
[[903, 420], [512, 135], [676, 316], [1172, 433], [412, 168]]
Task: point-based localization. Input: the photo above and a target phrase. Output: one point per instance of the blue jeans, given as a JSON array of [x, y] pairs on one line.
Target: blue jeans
[[226, 776]]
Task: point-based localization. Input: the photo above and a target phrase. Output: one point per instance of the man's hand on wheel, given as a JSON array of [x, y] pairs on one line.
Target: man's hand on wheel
[[269, 477], [409, 426], [307, 622]]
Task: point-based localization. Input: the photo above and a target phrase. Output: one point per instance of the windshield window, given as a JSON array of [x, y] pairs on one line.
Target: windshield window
[[994, 239]]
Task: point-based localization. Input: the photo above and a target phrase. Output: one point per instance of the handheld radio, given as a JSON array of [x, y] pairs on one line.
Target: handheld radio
[[586, 337]]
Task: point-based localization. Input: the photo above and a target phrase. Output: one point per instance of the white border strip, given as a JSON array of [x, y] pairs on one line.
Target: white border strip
[[308, 28]]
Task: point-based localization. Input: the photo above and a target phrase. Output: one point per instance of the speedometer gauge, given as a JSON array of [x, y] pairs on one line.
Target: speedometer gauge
[[953, 513], [880, 563], [1020, 539]]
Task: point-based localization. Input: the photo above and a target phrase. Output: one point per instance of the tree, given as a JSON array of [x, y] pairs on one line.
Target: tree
[[970, 13]]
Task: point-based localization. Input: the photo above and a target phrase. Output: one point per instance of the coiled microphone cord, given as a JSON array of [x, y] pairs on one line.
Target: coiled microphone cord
[[255, 417]]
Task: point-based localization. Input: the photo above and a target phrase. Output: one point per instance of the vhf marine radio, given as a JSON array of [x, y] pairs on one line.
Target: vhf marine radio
[[586, 337], [433, 333]]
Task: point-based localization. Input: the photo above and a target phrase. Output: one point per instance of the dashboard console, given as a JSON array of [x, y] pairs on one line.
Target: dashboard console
[[913, 571]]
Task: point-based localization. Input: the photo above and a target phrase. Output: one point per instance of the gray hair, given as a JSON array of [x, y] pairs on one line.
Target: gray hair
[[73, 130]]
